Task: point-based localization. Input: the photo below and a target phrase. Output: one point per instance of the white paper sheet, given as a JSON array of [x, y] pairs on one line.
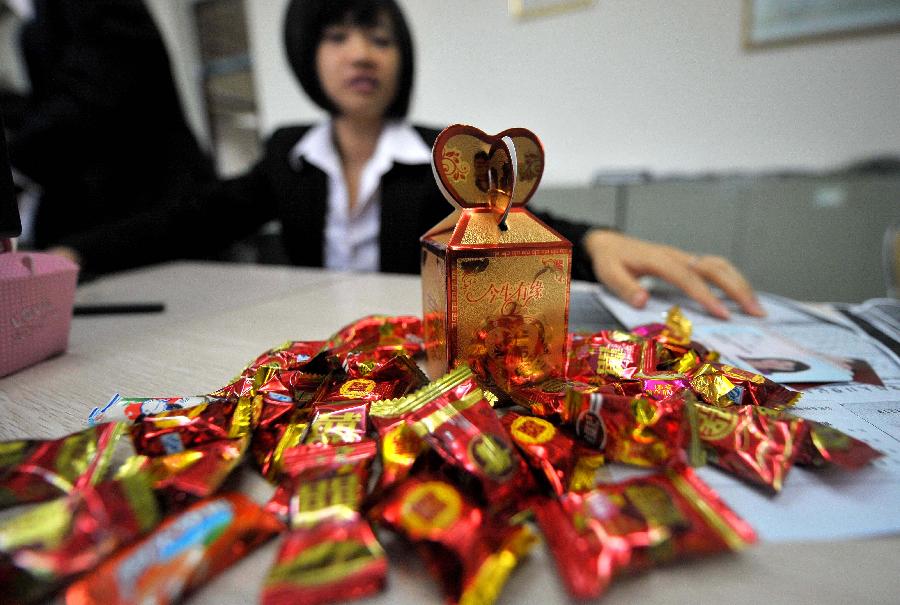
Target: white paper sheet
[[777, 358], [778, 310]]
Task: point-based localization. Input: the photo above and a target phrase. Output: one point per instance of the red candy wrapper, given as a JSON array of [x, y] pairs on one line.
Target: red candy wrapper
[[51, 543], [284, 419], [179, 556], [549, 398], [185, 477], [33, 470], [338, 423], [179, 430], [635, 525], [343, 389], [307, 466], [292, 355], [336, 560], [756, 444], [825, 446], [291, 386], [452, 415], [399, 446], [612, 354], [545, 448], [378, 335], [609, 354], [245, 385], [400, 367], [331, 553], [271, 440], [634, 430], [468, 551]]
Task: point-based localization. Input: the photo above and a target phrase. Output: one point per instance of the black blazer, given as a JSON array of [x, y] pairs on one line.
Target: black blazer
[[102, 129], [411, 203]]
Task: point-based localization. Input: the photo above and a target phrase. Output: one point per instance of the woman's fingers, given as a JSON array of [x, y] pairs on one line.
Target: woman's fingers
[[607, 250], [719, 271], [620, 260], [680, 273]]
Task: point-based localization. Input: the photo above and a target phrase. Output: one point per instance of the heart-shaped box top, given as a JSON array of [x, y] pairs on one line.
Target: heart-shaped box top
[[471, 166]]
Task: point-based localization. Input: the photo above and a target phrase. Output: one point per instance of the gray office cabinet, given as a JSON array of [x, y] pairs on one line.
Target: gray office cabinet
[[808, 237]]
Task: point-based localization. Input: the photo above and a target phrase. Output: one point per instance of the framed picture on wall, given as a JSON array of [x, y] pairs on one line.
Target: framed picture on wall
[[540, 8], [779, 22]]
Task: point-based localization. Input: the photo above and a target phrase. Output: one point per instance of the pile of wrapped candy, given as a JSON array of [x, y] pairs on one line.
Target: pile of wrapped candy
[[468, 470]]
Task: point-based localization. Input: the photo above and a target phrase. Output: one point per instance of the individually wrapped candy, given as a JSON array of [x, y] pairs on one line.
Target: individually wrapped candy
[[294, 386], [179, 430], [757, 444], [664, 385], [337, 423], [51, 543], [185, 477], [343, 389], [723, 385], [271, 440], [635, 430], [825, 445], [470, 552], [633, 525], [292, 355], [547, 450], [549, 398], [36, 470], [453, 417], [130, 409], [337, 560], [308, 462], [378, 335], [179, 556], [330, 554], [609, 354], [399, 445], [399, 366]]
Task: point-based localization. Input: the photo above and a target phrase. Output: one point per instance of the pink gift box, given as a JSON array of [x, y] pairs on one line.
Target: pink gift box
[[37, 292]]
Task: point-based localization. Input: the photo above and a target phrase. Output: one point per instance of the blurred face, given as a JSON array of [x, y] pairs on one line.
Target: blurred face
[[359, 68]]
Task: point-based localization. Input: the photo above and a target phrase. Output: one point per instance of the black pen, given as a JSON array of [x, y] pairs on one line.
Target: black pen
[[118, 308]]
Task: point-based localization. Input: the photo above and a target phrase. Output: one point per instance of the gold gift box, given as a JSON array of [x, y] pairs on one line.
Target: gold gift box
[[495, 279]]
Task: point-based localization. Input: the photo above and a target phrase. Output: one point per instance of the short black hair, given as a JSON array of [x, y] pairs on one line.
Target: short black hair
[[306, 20]]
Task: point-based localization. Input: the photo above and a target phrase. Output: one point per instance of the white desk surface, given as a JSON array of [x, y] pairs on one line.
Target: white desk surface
[[218, 317]]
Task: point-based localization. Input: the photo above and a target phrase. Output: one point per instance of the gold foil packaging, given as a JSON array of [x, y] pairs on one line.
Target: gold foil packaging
[[495, 279]]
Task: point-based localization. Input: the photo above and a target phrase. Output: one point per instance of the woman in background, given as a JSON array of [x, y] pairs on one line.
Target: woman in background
[[356, 191]]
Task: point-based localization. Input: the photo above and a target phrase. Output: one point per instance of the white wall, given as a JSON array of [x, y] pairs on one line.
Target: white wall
[[661, 85]]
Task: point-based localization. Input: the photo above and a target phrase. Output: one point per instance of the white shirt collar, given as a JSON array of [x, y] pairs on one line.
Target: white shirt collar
[[399, 142]]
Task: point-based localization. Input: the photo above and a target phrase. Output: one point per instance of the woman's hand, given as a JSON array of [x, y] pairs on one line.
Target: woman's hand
[[619, 261]]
